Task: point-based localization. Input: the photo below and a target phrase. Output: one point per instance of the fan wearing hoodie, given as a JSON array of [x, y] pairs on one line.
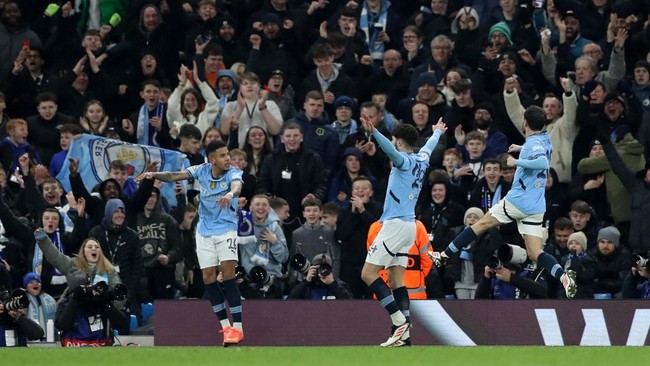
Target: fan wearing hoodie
[[268, 246], [159, 240], [120, 245]]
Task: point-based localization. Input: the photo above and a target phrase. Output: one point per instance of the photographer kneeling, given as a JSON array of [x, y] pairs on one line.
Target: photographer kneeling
[[15, 327], [506, 278], [90, 307], [319, 283]]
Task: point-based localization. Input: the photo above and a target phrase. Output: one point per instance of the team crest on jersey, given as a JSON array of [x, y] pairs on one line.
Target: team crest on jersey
[[104, 151], [320, 131], [222, 184]]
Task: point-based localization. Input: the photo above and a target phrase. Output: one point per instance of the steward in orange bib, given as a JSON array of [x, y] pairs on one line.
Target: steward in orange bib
[[418, 263]]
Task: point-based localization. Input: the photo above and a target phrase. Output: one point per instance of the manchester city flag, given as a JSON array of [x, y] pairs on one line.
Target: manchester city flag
[[95, 154]]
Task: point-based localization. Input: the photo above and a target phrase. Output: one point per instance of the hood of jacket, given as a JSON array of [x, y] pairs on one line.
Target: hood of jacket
[[112, 205]]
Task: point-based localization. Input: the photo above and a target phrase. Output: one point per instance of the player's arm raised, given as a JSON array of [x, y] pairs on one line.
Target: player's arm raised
[[164, 176], [385, 144]]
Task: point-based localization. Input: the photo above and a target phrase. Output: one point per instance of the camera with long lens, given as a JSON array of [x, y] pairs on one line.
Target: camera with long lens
[[261, 277], [240, 273], [640, 262], [101, 289], [15, 301], [300, 263], [324, 269], [507, 254], [494, 262]]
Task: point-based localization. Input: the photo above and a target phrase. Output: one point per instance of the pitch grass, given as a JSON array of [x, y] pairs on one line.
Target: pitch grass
[[330, 356]]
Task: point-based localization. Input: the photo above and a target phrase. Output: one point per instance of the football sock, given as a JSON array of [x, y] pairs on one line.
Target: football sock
[[402, 300], [215, 295], [379, 288], [462, 240], [550, 264], [231, 291]]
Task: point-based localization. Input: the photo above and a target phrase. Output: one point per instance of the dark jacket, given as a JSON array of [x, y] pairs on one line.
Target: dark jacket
[[320, 137], [584, 266], [44, 135], [317, 290], [311, 176], [121, 246], [610, 270]]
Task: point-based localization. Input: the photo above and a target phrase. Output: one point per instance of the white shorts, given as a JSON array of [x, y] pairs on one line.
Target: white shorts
[[505, 212], [391, 246], [212, 250]]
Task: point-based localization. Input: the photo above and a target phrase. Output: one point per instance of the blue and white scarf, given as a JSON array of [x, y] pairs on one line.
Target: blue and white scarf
[[375, 48], [146, 133], [37, 263]]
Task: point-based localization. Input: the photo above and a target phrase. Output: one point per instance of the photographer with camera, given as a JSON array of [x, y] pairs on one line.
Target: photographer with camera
[[15, 327], [319, 282], [508, 276], [90, 306], [637, 283]]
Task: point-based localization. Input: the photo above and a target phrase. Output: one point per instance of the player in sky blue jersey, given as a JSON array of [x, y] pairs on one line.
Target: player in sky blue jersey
[[390, 248], [524, 203], [219, 185]]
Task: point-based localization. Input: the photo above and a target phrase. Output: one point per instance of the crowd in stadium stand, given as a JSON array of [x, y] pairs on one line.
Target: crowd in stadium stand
[[283, 83]]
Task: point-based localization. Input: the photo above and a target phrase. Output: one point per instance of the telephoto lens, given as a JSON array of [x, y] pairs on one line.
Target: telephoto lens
[[18, 301], [300, 263], [494, 262]]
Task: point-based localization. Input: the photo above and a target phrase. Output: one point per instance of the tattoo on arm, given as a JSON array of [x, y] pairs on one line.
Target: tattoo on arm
[[235, 188], [172, 176]]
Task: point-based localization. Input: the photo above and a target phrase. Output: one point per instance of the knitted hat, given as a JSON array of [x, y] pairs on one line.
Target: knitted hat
[[471, 12], [473, 210], [271, 18], [344, 101], [610, 233], [31, 276], [502, 28], [509, 55], [354, 152], [580, 237], [426, 78], [485, 106]]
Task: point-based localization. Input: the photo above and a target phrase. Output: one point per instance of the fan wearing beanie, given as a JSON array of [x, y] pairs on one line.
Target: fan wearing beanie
[[611, 262], [582, 263]]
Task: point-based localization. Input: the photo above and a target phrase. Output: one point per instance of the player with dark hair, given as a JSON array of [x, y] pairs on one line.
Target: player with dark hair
[[220, 185], [391, 245], [524, 203]]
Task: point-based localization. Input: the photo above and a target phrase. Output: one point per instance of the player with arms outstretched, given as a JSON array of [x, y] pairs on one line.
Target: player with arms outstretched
[[220, 185]]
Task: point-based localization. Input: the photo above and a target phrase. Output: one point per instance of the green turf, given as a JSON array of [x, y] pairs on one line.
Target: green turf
[[330, 356]]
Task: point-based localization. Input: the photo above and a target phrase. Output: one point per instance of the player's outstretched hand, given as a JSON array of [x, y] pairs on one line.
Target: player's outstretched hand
[[514, 148], [367, 123], [441, 126], [141, 177], [224, 201]]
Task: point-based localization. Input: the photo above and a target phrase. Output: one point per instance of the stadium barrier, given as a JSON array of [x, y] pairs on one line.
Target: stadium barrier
[[446, 322]]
